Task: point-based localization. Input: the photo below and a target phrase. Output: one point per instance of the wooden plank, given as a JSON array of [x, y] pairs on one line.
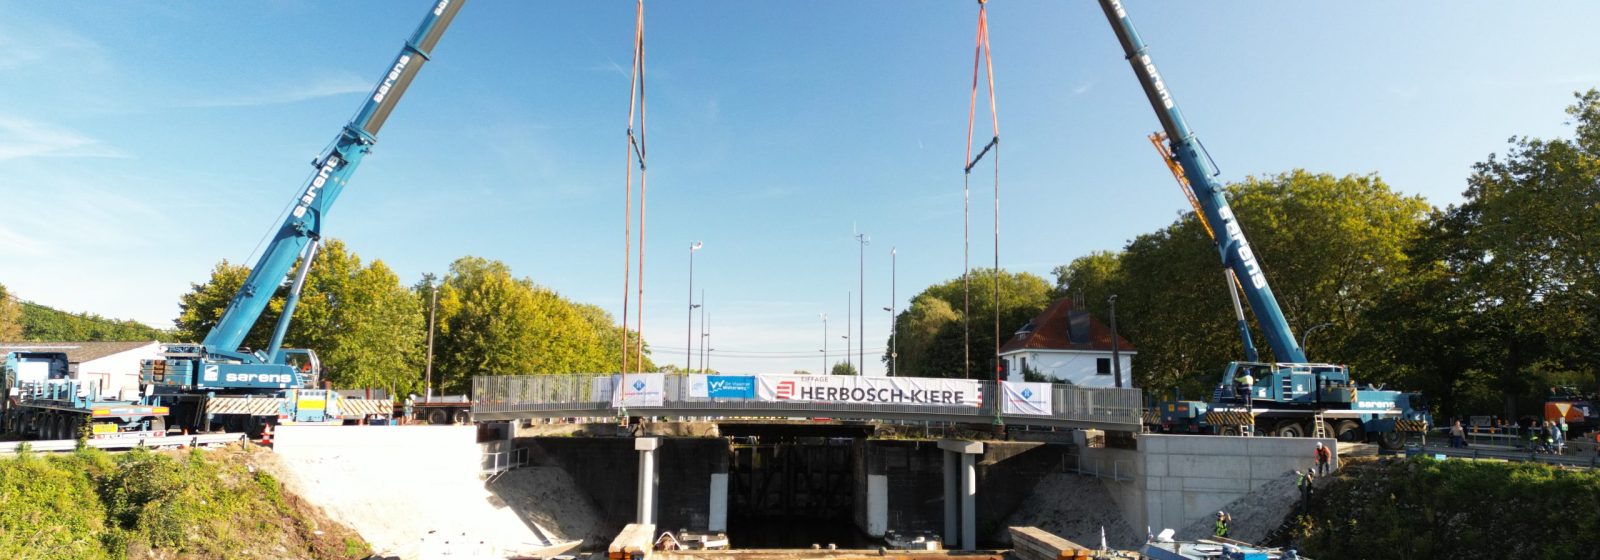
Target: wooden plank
[[1032, 543]]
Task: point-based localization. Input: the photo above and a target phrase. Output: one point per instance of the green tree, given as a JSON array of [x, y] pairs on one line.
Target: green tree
[[932, 330], [491, 323], [363, 323], [843, 368], [10, 316], [1330, 246], [1516, 271]]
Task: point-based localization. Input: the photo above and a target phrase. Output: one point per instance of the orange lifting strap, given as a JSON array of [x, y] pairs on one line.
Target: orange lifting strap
[[982, 57], [636, 150]]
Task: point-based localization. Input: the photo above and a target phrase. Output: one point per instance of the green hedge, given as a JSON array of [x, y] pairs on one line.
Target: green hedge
[[1426, 508]]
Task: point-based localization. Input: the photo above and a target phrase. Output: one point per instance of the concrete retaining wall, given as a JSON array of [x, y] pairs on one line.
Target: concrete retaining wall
[[1180, 479]]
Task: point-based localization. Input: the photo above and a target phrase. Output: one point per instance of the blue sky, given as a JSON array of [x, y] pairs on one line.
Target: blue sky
[[140, 142]]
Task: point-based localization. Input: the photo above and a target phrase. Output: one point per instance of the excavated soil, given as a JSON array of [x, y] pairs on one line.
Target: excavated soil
[[548, 497], [1255, 514], [1074, 507]]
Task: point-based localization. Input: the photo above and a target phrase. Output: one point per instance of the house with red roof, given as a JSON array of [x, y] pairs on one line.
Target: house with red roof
[[1067, 345]]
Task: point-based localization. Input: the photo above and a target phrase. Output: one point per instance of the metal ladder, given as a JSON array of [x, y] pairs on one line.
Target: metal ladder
[[1319, 429]]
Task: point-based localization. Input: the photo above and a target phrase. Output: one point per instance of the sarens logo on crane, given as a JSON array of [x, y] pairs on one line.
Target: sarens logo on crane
[[388, 81], [1246, 256], [328, 166], [439, 10]]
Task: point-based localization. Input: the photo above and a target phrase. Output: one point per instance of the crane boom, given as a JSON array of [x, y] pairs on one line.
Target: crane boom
[[303, 224], [1186, 150]]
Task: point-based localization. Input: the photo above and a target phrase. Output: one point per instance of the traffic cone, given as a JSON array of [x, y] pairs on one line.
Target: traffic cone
[[266, 436]]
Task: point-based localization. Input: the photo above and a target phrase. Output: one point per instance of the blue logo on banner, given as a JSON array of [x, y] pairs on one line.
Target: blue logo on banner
[[731, 386], [638, 385], [1027, 393]]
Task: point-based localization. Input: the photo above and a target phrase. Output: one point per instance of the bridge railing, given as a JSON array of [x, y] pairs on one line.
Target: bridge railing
[[589, 395]]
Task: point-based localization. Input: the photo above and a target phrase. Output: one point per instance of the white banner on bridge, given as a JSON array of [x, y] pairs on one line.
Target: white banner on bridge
[[912, 391], [638, 389], [1026, 398]]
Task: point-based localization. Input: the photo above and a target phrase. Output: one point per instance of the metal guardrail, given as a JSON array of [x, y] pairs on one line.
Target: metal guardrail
[[195, 440], [534, 396]]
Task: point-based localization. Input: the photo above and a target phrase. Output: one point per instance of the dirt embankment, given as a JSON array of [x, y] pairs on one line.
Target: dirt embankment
[[160, 505]]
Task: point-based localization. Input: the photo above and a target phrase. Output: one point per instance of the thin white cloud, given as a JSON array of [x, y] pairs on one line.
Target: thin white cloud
[[23, 138], [38, 44], [341, 84], [17, 244], [1083, 88]]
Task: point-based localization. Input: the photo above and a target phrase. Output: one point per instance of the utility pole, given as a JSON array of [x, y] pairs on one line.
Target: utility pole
[[861, 281], [824, 370], [433, 304], [702, 330], [708, 346], [688, 333], [849, 307], [1116, 357], [894, 325]]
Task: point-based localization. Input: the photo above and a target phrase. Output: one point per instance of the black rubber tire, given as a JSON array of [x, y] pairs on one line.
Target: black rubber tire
[[437, 417], [1392, 441], [461, 417], [1230, 430], [1290, 428], [1347, 431]]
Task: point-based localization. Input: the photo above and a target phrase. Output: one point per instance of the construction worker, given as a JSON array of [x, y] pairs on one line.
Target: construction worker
[[1324, 458], [1222, 527], [1305, 483], [1247, 384], [411, 404]]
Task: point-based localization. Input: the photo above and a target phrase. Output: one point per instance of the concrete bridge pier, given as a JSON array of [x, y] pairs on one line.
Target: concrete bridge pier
[[961, 492], [647, 479]]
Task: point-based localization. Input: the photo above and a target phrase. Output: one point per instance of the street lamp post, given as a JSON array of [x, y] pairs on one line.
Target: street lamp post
[[702, 329], [846, 338], [894, 338], [688, 333], [824, 317], [1116, 357], [861, 285], [1304, 338], [849, 308]]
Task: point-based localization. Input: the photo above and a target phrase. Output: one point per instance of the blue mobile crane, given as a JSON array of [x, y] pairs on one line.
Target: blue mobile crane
[[218, 381], [1292, 397]]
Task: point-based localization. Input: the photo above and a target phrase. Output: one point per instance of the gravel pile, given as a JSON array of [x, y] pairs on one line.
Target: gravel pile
[[1254, 514], [549, 498], [1074, 507]]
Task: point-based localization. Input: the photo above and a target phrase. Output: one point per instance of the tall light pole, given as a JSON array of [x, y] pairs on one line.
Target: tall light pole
[[1304, 338], [846, 338], [702, 329], [894, 338], [849, 308], [433, 304], [1116, 357], [706, 366], [861, 285], [688, 332], [824, 370]]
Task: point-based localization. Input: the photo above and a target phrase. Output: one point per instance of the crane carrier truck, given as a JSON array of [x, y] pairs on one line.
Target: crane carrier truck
[[1292, 397]]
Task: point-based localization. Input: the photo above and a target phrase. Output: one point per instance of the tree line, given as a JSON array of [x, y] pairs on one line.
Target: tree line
[[1482, 305], [26, 321], [371, 330]]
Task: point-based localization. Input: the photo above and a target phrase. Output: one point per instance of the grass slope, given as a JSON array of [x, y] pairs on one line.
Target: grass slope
[[149, 505]]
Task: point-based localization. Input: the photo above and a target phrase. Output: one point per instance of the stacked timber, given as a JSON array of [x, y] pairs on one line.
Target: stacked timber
[[633, 543], [1033, 543]]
